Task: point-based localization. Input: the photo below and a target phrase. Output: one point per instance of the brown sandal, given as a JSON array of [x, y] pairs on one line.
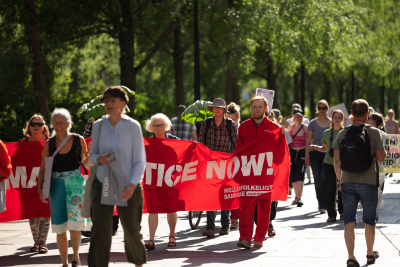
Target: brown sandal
[[271, 230], [34, 249], [43, 249], [172, 243], [151, 246]]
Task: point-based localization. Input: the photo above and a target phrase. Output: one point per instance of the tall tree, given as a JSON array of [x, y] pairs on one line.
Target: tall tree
[[38, 72]]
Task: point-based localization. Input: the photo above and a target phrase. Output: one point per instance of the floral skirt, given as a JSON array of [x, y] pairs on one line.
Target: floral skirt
[[66, 195]]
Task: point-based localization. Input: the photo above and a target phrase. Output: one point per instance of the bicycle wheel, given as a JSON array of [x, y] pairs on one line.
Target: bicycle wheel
[[194, 218]]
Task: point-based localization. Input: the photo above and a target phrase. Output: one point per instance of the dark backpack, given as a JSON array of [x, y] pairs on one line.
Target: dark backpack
[[208, 124], [355, 152]]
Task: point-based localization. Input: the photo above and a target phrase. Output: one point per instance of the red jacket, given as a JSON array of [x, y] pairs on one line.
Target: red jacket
[[5, 162], [248, 130]]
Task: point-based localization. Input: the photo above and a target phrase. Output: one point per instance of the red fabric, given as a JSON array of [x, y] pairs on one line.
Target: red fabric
[[179, 176], [22, 198], [248, 130], [5, 162], [246, 222], [235, 214]]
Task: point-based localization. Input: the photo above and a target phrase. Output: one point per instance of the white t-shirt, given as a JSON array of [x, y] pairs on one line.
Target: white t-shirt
[[305, 121]]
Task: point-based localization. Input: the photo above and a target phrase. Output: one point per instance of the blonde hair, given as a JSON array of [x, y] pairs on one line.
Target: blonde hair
[[259, 97], [333, 114], [27, 131], [390, 111], [149, 123], [235, 107], [323, 101]]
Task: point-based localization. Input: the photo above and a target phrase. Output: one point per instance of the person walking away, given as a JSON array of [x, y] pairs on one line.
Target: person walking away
[[117, 147], [233, 113], [218, 134], [255, 127], [355, 167], [36, 130], [392, 126], [159, 124], [5, 172], [298, 132], [315, 131], [331, 191], [67, 184], [376, 120], [182, 129]]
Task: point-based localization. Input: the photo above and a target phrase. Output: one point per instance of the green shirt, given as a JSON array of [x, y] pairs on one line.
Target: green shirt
[[368, 177], [326, 140]]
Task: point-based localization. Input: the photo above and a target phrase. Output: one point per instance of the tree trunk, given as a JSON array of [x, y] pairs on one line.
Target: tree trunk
[[327, 93], [38, 74], [383, 96], [303, 87], [340, 90], [312, 97], [271, 78], [178, 54], [396, 103], [127, 53], [232, 92], [296, 82]]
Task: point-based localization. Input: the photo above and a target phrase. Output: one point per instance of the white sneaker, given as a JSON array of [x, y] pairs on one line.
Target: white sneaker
[[323, 211]]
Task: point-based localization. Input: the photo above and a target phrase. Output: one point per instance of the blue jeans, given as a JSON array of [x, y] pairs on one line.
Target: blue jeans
[[224, 218], [317, 166], [351, 194]]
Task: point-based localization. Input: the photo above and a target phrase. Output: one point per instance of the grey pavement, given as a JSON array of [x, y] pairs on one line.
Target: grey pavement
[[304, 238]]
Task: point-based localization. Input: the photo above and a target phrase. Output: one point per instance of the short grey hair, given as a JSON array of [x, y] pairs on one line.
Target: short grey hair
[[149, 123], [63, 112]]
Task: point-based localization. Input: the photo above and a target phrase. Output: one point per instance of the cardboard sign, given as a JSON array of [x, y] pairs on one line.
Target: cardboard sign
[[391, 143], [343, 108], [268, 94]]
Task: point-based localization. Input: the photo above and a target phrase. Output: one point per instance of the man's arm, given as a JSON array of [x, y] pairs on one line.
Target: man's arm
[[380, 155], [194, 136], [234, 136], [338, 171]]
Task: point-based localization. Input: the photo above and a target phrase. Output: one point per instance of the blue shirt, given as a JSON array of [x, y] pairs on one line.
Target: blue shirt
[[126, 140]]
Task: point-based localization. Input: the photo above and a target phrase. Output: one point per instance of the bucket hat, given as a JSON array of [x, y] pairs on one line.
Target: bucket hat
[[219, 103]]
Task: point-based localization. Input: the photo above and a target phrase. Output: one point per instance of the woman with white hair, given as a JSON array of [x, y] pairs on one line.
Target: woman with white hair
[[159, 124], [67, 184]]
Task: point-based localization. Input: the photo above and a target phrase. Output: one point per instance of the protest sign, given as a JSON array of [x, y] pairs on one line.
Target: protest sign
[[343, 108], [268, 94], [392, 146]]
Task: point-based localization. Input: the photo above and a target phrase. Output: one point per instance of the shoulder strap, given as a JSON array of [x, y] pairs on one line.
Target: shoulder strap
[[52, 145], [78, 147], [63, 142], [229, 125], [208, 124], [298, 131]]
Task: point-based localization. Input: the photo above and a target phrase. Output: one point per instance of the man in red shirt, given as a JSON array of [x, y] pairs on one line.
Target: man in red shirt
[[257, 126]]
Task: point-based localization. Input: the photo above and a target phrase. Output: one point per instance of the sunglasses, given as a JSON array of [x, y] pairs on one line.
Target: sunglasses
[[322, 108], [39, 124], [231, 111]]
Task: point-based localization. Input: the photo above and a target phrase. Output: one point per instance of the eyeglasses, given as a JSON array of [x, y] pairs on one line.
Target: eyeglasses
[[231, 111], [59, 122], [323, 108], [159, 126], [39, 124]]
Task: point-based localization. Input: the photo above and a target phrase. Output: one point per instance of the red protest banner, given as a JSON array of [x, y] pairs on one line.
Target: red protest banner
[[184, 175], [180, 176], [22, 198]]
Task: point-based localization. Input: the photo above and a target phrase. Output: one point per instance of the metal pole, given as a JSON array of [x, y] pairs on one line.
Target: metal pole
[[196, 52]]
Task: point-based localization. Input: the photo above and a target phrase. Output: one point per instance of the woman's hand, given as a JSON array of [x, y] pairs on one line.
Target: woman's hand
[[128, 191], [41, 195], [102, 159], [307, 161], [311, 147]]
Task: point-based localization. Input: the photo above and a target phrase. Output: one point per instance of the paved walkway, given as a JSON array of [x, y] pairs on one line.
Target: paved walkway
[[303, 239]]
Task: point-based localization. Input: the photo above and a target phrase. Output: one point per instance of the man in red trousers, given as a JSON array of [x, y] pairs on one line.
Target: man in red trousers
[[253, 128]]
